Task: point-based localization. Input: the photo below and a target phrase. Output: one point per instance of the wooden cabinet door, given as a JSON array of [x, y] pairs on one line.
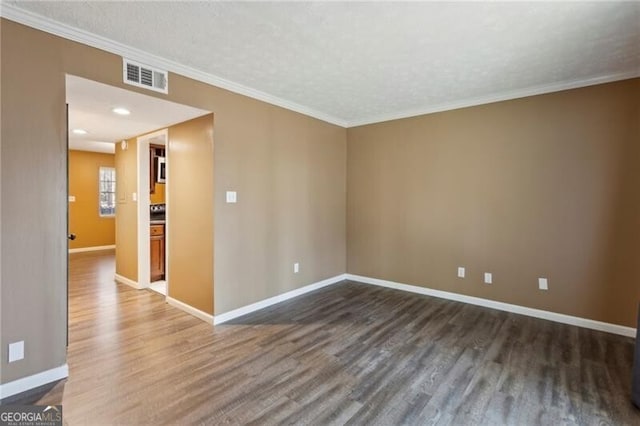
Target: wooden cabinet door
[[157, 258]]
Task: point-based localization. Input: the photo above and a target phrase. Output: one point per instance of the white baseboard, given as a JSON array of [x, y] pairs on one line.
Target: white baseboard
[[94, 248], [501, 306], [31, 382], [190, 310], [127, 281], [228, 316]]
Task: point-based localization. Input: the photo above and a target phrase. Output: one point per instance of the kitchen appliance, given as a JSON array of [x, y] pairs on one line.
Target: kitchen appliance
[[157, 212], [161, 170]]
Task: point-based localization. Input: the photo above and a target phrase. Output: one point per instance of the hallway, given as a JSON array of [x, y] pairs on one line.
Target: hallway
[[123, 347]]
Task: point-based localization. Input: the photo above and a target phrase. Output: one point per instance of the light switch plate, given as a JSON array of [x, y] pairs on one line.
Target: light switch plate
[[488, 278], [232, 197], [296, 268], [460, 272], [16, 351], [543, 284]]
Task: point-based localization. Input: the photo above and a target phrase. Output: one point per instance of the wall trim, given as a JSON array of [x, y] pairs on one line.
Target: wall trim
[[68, 32], [228, 316], [190, 310], [31, 382], [94, 248], [124, 280], [497, 97], [501, 306]]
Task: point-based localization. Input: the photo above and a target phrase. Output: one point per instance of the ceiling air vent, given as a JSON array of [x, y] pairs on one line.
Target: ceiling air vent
[[140, 75]]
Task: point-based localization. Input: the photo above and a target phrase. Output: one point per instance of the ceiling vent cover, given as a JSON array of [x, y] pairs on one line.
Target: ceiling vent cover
[[141, 75]]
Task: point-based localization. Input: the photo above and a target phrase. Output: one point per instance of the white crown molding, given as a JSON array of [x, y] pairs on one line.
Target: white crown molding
[[496, 97], [48, 25], [68, 32], [501, 306], [31, 382], [228, 316]]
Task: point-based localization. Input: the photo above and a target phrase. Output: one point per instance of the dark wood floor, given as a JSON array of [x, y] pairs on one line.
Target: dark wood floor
[[347, 354]]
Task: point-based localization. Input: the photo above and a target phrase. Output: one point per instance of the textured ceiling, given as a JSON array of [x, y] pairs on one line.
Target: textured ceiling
[[90, 109], [362, 62]]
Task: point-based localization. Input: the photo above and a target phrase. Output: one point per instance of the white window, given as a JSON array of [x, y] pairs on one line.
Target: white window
[[107, 191]]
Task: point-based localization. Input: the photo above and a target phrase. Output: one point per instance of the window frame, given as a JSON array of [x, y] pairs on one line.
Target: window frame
[[101, 171]]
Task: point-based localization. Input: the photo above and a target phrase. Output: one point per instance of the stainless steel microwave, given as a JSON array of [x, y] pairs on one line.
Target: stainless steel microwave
[[161, 170]]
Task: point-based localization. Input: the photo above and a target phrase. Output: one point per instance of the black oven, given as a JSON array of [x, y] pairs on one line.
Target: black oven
[[157, 211]]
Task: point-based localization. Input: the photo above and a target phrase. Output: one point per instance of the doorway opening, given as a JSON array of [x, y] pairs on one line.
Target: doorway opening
[[152, 211], [135, 131]]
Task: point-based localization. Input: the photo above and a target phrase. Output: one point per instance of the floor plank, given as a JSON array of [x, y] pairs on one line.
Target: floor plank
[[346, 354]]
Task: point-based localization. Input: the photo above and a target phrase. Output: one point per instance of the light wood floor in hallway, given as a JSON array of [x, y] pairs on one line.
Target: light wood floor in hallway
[[346, 354]]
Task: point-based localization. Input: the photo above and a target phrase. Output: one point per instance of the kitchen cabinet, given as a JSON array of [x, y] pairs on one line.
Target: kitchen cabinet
[[157, 252]]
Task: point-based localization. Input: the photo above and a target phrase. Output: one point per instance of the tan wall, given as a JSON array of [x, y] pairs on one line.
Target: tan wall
[[126, 162], [84, 217], [34, 207], [545, 186], [190, 225], [291, 205], [297, 162]]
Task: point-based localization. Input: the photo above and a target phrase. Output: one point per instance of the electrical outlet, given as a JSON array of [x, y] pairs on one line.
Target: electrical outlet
[[16, 351], [488, 278], [134, 196], [543, 284], [232, 197], [296, 268], [460, 272]]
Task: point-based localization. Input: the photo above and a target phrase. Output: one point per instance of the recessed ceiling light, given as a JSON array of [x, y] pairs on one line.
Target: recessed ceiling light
[[121, 111], [79, 131]]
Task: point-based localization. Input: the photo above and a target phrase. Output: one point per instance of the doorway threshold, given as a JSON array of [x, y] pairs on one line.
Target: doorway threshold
[[159, 287]]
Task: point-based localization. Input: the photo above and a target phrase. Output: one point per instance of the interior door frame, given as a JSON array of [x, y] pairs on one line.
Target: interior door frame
[[66, 155], [144, 199]]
